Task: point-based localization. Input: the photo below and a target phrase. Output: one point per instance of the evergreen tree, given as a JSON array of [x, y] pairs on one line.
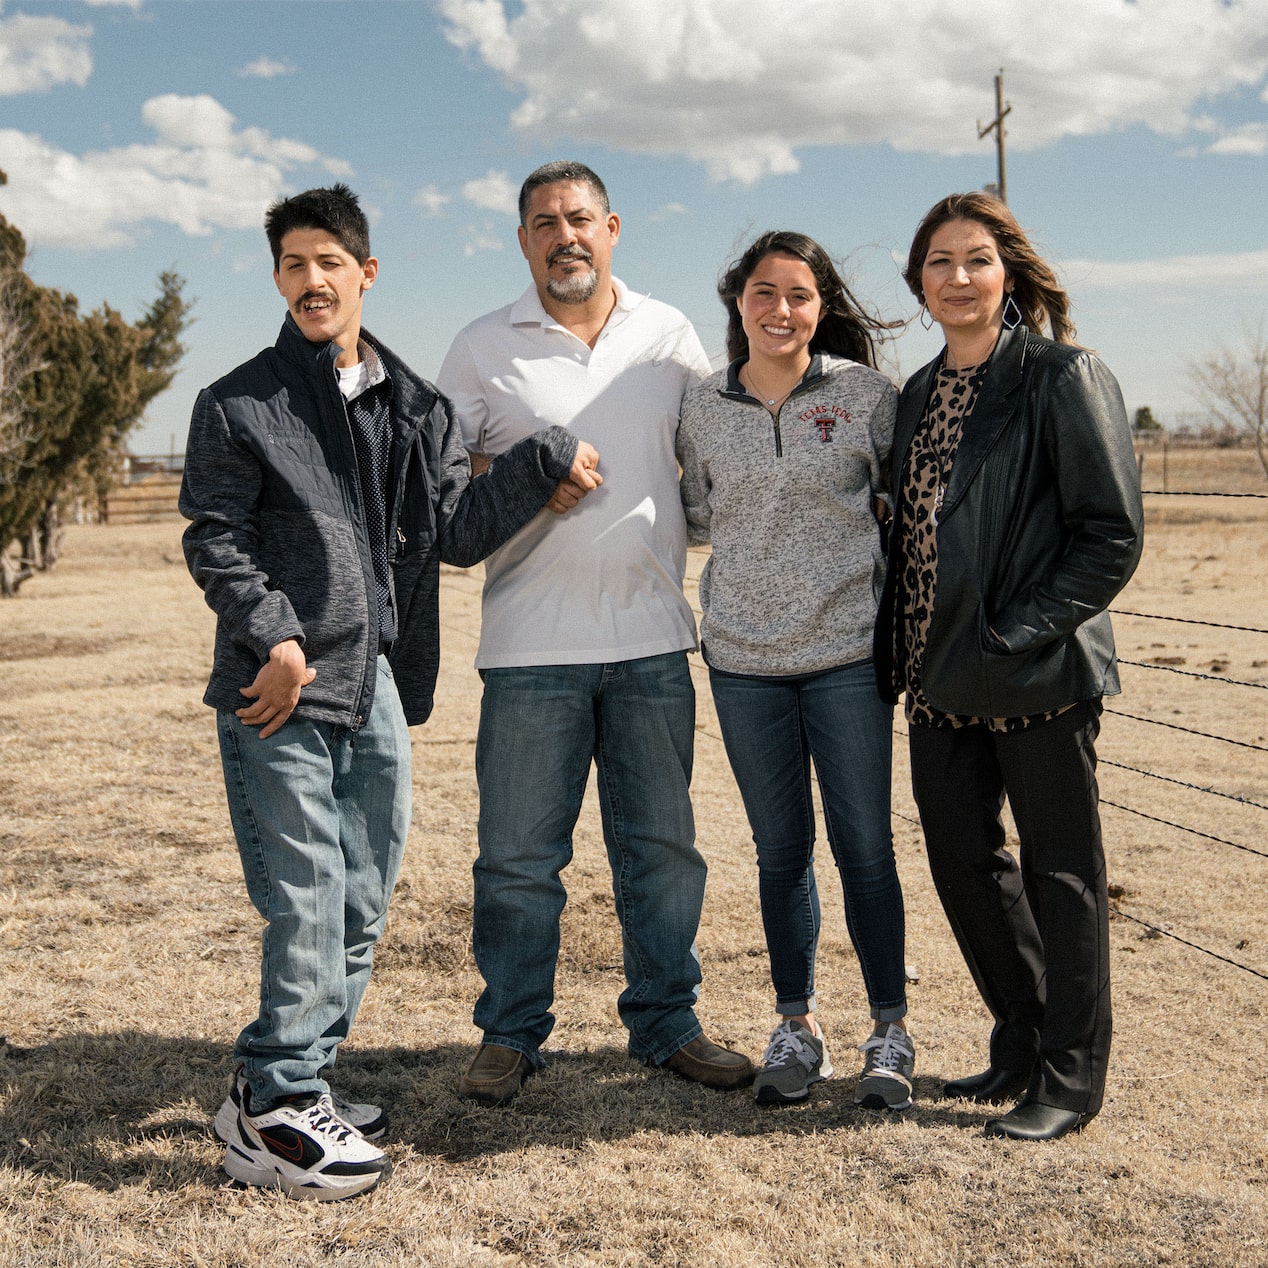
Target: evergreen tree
[[72, 388]]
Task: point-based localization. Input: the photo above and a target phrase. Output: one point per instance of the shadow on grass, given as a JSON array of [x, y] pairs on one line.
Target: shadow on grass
[[132, 1108], [603, 1095]]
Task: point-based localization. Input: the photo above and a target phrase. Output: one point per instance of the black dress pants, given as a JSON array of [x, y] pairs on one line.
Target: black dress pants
[[1035, 936]]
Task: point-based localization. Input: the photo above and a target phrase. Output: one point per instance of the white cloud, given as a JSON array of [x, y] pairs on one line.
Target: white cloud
[[480, 240], [431, 200], [494, 192], [121, 4], [1250, 139], [668, 211], [266, 68], [36, 54], [741, 85], [202, 172], [1236, 271]]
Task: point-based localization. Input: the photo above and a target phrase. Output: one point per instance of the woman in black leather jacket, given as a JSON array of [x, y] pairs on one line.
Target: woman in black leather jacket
[[1017, 521]]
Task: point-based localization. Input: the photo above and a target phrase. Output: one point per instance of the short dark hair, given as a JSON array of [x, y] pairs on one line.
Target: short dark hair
[[1040, 297], [846, 328], [552, 174], [336, 210]]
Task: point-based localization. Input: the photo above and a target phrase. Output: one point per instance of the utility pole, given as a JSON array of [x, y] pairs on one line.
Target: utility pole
[[996, 125]]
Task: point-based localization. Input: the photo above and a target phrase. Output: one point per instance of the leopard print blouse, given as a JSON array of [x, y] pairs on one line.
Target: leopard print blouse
[[925, 476]]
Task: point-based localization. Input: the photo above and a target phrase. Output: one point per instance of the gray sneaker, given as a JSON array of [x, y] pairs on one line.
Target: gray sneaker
[[795, 1059], [889, 1061]]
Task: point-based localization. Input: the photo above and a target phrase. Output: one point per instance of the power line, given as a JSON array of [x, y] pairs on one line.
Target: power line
[[996, 125]]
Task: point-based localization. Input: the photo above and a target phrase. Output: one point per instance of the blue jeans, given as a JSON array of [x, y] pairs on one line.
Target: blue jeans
[[772, 728], [540, 727], [320, 814]]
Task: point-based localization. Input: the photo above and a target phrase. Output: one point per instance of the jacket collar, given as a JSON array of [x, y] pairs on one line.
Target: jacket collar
[[732, 388], [312, 358], [413, 397], [996, 406]]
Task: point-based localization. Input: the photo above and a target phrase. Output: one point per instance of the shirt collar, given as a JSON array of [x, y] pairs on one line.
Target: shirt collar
[[529, 311]]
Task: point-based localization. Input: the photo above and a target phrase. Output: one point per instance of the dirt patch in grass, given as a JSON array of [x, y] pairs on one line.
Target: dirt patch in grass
[[49, 647]]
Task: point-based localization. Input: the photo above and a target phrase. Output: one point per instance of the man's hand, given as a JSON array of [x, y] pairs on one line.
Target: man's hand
[[479, 463], [583, 478], [276, 688]]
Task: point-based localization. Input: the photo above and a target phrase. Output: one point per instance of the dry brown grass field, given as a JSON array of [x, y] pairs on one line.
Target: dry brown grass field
[[128, 962]]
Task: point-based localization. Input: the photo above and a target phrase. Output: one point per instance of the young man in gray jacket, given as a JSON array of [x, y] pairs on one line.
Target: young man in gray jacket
[[324, 482]]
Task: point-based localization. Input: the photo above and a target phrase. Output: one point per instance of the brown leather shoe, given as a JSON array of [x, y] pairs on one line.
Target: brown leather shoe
[[707, 1063], [495, 1075]]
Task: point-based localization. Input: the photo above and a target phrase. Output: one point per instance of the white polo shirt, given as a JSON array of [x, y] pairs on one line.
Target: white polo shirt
[[603, 582]]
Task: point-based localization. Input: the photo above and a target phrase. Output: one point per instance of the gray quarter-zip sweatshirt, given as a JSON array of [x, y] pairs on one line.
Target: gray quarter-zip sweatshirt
[[787, 502]]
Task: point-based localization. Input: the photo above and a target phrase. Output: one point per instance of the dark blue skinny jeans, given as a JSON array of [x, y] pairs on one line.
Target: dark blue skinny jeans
[[773, 728]]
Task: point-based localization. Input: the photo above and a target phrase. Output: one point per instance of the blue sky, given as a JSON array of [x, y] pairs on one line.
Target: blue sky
[[143, 135]]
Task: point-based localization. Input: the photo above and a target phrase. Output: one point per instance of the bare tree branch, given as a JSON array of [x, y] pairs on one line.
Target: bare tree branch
[[1232, 383]]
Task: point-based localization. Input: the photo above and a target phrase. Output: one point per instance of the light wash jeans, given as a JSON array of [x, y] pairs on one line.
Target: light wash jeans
[[540, 727], [321, 815], [772, 728]]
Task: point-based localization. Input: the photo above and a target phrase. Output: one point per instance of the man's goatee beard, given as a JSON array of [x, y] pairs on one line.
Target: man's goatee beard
[[577, 288]]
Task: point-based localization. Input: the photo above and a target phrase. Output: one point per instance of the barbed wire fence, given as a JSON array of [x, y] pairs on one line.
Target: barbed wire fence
[[1235, 693], [1251, 823]]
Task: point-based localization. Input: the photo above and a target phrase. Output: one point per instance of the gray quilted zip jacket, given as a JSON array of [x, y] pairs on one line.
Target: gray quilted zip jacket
[[277, 539]]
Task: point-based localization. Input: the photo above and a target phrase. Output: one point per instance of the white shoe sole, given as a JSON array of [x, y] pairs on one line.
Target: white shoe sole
[[769, 1094], [877, 1100], [318, 1188]]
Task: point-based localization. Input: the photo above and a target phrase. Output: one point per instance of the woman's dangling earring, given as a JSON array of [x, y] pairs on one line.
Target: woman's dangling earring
[[926, 317], [1015, 314]]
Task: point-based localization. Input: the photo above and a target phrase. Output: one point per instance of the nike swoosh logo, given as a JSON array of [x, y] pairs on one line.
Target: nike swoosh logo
[[285, 1142]]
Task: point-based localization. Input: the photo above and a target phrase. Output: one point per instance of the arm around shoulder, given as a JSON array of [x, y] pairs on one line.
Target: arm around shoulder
[[475, 517]]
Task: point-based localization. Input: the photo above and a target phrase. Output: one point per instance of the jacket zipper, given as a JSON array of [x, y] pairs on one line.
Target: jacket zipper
[[804, 386], [359, 715], [779, 439]]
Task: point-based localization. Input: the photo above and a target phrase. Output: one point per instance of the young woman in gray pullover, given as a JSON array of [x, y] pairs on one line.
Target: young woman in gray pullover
[[784, 458]]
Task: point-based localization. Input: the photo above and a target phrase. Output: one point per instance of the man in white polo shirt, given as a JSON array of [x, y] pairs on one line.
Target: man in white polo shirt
[[583, 645]]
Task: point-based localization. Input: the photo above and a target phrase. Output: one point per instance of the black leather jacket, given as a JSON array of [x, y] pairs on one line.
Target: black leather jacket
[[277, 538], [1041, 526]]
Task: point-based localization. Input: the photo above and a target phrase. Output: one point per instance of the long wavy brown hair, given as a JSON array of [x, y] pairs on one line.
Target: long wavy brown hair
[[846, 328], [1037, 292]]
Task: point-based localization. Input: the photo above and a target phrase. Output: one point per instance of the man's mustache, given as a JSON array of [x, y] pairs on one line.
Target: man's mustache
[[568, 253]]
